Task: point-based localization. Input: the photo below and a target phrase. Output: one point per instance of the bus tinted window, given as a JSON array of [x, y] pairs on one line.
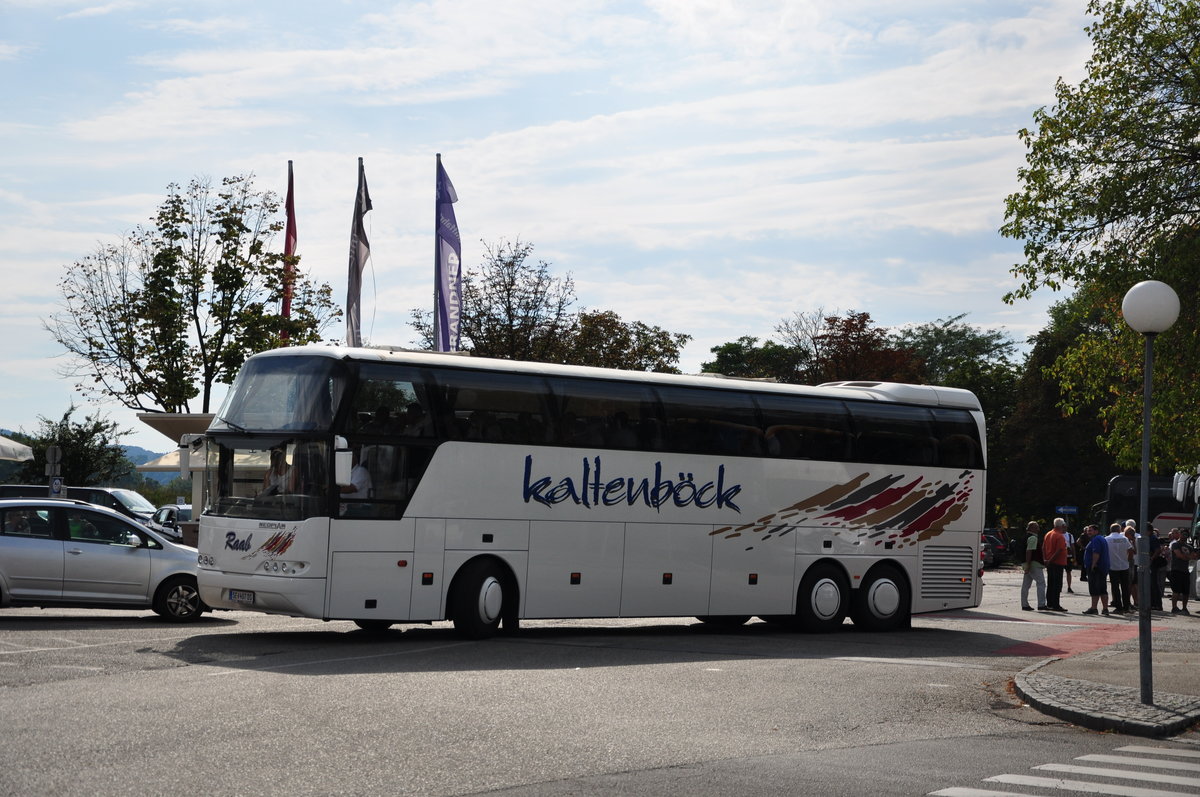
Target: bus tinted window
[[804, 428], [391, 400], [893, 434], [710, 421], [493, 407], [958, 439], [606, 414]]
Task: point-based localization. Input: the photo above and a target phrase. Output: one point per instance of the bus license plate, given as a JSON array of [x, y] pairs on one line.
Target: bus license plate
[[241, 596]]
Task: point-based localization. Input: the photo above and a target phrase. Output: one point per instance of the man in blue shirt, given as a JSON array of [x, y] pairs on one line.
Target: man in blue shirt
[[1096, 561]]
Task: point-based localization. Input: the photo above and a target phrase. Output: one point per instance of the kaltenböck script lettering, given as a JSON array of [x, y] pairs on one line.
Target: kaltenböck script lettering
[[592, 489]]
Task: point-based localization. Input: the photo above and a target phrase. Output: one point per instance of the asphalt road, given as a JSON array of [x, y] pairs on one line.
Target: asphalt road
[[99, 702]]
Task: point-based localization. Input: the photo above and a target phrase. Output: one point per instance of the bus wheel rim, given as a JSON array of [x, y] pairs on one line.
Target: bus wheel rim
[[884, 598], [826, 598], [491, 599]]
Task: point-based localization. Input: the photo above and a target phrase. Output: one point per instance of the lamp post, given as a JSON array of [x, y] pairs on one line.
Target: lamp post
[[1149, 307]]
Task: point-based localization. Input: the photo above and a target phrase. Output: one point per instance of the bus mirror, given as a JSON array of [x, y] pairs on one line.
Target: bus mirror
[[1179, 486], [343, 461]]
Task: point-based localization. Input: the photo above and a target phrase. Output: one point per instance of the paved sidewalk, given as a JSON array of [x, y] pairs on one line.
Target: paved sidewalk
[[1104, 706], [1100, 688]]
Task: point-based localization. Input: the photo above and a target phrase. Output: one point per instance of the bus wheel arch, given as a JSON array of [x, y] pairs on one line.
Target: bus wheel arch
[[823, 599], [883, 601], [482, 594]]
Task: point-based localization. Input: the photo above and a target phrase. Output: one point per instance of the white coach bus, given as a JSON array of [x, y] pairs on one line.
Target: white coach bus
[[412, 487]]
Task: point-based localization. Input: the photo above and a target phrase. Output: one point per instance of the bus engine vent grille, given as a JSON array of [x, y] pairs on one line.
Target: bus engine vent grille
[[948, 571]]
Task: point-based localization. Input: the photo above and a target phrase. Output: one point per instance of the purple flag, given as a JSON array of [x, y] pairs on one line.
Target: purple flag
[[360, 250], [447, 255]]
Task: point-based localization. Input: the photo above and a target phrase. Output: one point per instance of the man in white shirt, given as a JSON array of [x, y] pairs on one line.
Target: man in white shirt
[[1119, 554]]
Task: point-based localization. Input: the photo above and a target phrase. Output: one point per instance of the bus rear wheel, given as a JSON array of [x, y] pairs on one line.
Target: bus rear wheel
[[823, 600], [883, 601], [477, 605]]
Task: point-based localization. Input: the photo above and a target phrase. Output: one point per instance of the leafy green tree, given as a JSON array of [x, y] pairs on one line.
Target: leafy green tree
[[91, 451], [1113, 166], [156, 319], [745, 358], [1108, 198], [516, 309], [601, 338]]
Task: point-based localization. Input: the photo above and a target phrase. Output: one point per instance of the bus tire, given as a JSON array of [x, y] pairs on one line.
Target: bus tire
[[884, 601], [373, 626], [723, 620], [477, 605], [177, 600], [823, 599]]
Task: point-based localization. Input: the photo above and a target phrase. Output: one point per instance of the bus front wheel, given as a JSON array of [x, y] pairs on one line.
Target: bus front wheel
[[823, 599], [883, 601], [477, 605]]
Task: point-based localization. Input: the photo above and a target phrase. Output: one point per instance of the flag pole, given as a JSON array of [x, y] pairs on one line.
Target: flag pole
[[437, 253]]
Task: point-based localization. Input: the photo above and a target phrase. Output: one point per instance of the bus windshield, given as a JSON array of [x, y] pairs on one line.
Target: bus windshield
[[283, 393], [269, 478]]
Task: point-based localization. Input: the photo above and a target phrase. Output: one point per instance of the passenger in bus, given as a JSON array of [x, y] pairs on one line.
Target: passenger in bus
[[275, 480], [360, 486], [417, 423], [380, 421]]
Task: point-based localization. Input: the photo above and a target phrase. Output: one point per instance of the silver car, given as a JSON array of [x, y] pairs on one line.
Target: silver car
[[56, 552]]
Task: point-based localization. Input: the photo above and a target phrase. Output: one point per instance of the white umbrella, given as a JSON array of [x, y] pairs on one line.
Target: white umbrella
[[17, 452]]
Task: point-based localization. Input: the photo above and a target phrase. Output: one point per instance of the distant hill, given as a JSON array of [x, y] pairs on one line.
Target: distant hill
[[138, 456]]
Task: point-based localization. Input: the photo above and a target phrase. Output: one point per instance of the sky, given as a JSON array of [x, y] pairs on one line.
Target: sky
[[711, 167]]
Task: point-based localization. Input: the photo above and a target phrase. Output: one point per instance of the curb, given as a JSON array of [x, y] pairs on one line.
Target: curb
[[1104, 707]]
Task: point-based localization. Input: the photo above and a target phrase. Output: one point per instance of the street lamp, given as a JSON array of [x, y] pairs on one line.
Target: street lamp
[[1149, 307]]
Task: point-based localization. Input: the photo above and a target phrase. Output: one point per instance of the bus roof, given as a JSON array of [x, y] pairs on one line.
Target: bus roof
[[895, 392]]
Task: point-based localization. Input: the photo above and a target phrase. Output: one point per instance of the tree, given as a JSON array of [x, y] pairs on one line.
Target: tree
[[602, 338], [511, 308], [744, 358], [851, 348], [515, 309], [156, 319], [91, 451], [1108, 198], [1113, 166]]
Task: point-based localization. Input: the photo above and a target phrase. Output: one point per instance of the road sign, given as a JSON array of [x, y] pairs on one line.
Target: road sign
[[1067, 510]]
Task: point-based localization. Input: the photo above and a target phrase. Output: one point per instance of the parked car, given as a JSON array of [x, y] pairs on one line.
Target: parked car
[[129, 503], [63, 552], [999, 547], [989, 552], [169, 516]]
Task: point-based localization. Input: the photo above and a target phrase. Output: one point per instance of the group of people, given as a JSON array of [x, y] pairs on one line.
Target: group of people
[[1107, 562]]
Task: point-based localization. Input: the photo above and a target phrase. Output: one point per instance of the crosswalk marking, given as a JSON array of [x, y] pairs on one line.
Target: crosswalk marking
[[1155, 772], [1133, 748], [968, 792], [1079, 785], [1140, 762], [1152, 777]]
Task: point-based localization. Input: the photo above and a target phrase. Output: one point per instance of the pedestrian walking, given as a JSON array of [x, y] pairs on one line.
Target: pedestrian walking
[[1096, 561], [1054, 550], [1119, 552], [1132, 535], [1034, 567]]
